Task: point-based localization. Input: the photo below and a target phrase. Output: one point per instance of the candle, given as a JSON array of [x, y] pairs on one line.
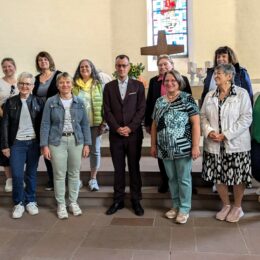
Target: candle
[[191, 67]]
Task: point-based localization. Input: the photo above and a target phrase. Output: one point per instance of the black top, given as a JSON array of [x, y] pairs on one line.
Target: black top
[[52, 90], [11, 118]]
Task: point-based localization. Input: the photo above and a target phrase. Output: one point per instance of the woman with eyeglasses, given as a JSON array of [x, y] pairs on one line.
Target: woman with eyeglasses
[[20, 142], [226, 116], [225, 55], [7, 89], [45, 87]]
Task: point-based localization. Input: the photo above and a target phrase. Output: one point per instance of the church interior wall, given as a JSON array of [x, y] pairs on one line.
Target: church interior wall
[[99, 30]]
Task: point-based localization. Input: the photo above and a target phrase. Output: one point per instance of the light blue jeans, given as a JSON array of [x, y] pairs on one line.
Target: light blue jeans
[[180, 182], [66, 158], [95, 149]]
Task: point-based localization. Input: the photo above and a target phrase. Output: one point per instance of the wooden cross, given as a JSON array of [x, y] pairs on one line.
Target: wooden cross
[[162, 47]]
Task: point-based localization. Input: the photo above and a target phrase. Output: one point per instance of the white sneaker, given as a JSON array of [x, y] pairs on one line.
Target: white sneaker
[[93, 185], [75, 209], [32, 208], [171, 214], [182, 218], [18, 211], [9, 185], [62, 211], [80, 184], [214, 188]]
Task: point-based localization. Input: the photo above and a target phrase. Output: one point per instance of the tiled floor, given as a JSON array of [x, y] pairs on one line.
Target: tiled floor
[[125, 236]]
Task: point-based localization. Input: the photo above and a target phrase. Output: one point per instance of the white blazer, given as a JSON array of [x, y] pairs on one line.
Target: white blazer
[[236, 118]]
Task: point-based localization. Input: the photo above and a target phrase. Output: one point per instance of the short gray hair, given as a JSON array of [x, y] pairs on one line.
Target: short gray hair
[[26, 75], [227, 69], [164, 56]]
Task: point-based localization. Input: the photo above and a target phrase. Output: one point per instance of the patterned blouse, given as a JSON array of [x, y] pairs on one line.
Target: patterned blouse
[[173, 126]]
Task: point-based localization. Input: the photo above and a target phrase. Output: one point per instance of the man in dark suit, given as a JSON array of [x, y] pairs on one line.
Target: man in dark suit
[[156, 89], [124, 108]]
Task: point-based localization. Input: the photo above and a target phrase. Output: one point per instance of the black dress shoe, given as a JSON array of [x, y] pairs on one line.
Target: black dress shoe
[[139, 211], [163, 188], [115, 207]]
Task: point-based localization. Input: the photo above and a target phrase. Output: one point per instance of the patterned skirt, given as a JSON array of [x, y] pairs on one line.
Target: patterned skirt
[[229, 169]]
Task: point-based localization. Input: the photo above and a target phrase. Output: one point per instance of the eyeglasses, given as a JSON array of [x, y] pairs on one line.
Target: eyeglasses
[[26, 84], [12, 91], [218, 73], [122, 65]]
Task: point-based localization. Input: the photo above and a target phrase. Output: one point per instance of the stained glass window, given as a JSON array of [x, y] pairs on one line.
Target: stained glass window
[[170, 16], [172, 20]]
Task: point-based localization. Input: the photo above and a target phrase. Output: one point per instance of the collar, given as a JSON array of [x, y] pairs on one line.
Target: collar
[[58, 99], [160, 78], [123, 82], [232, 92]]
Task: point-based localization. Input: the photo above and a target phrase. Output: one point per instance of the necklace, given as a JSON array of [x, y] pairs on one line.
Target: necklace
[[172, 98]]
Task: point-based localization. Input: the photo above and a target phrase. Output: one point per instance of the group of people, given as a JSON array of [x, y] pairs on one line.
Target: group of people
[[62, 118], [55, 115]]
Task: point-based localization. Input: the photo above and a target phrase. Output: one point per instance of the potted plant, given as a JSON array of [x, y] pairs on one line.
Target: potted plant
[[135, 72]]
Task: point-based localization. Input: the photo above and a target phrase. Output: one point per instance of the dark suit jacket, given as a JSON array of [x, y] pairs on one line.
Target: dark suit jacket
[[154, 92], [128, 112]]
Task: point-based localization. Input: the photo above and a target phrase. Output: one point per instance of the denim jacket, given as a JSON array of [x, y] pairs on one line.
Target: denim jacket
[[53, 122]]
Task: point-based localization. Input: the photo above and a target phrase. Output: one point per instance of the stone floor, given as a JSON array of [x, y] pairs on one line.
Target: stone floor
[[125, 236]]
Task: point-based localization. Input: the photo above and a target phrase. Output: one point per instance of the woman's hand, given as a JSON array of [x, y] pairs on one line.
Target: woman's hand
[[85, 151], [153, 151], [6, 152], [195, 152], [212, 135], [46, 152], [216, 137]]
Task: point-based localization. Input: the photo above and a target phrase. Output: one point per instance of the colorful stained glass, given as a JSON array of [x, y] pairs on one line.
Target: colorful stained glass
[[174, 23]]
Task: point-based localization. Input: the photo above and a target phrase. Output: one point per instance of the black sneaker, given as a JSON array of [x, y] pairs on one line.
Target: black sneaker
[[49, 186]]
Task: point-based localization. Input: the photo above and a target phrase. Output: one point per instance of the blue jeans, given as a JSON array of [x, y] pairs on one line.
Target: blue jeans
[[180, 183], [24, 152], [95, 149]]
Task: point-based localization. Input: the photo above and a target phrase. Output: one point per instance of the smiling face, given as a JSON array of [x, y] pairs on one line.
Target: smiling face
[[85, 70], [221, 78], [164, 65], [222, 58], [43, 63], [122, 68], [25, 87], [64, 86], [8, 69], [171, 84]]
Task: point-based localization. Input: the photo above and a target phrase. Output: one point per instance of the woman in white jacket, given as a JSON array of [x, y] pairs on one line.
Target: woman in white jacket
[[226, 116]]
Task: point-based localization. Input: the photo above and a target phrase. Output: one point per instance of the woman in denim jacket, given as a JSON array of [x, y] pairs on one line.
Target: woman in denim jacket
[[65, 138]]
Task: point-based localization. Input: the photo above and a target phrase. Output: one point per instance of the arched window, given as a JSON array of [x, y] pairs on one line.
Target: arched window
[[171, 16]]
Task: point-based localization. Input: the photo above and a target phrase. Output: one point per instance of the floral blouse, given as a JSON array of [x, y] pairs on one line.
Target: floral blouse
[[173, 125]]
